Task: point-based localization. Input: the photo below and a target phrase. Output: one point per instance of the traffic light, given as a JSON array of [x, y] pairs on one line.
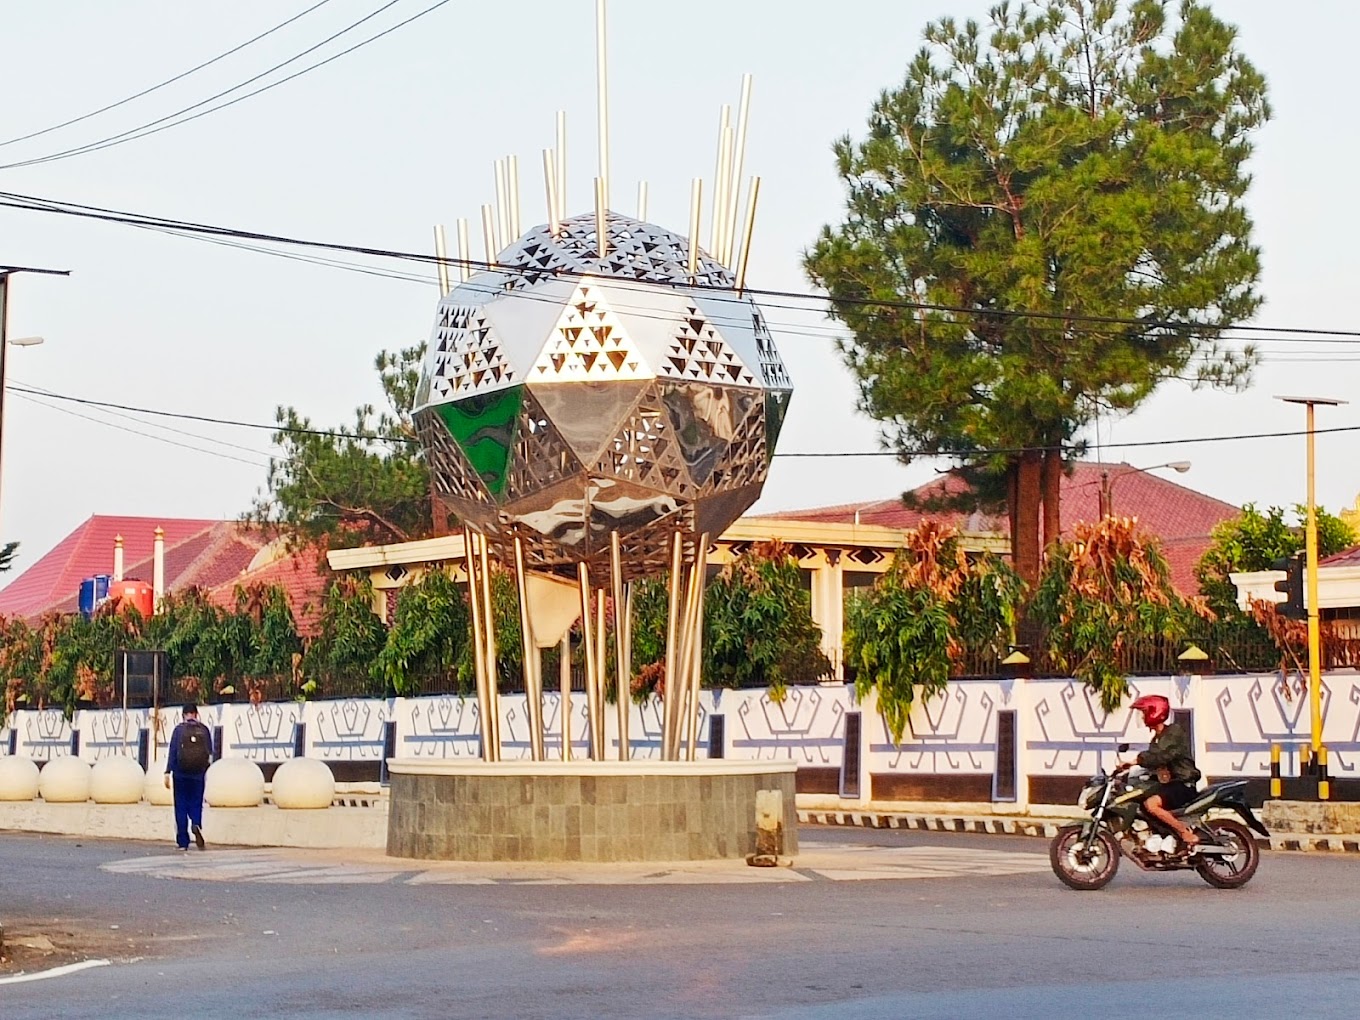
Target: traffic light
[[1292, 586]]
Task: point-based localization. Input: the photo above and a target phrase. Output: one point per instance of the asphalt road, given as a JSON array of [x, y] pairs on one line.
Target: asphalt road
[[969, 945]]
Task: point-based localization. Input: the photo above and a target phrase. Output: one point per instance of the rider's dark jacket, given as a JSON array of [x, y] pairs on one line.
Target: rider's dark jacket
[[1170, 749]]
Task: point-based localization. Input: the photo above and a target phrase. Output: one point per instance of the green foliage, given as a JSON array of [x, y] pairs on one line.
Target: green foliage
[[350, 636], [758, 626], [1072, 158], [1254, 540], [933, 606], [429, 633], [1101, 594], [360, 484], [7, 552], [509, 638]]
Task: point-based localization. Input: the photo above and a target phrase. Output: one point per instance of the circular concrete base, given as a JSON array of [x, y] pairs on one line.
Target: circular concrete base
[[65, 780], [234, 782], [303, 783], [583, 811], [117, 781], [155, 791], [18, 778]]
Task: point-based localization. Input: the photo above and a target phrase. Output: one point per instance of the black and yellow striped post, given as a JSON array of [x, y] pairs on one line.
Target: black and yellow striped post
[[1324, 785], [1275, 785]]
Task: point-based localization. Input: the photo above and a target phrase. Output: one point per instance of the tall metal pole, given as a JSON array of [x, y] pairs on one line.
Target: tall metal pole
[[5, 273], [1314, 631], [1311, 558]]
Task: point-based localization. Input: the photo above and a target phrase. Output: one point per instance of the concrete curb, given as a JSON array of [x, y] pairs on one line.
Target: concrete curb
[[1345, 842], [1044, 828]]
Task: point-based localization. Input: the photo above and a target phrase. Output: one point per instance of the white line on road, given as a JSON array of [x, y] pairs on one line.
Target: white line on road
[[69, 968]]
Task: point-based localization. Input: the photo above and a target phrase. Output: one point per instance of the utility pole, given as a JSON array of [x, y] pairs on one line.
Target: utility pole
[[5, 273], [1311, 552]]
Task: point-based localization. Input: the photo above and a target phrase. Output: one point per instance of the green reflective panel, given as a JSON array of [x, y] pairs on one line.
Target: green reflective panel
[[776, 407], [484, 427]]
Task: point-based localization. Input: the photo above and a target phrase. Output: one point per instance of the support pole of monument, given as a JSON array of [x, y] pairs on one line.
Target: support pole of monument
[[550, 185], [696, 211], [720, 184], [623, 651], [669, 713], [441, 252], [560, 153], [601, 671], [533, 691], [588, 646], [502, 205], [696, 657], [602, 100], [739, 154], [601, 220], [744, 257], [512, 194], [489, 630], [464, 251], [564, 682], [478, 665], [489, 234], [684, 673]]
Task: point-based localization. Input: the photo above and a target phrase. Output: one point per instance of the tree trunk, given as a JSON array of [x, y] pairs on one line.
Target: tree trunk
[[439, 516], [1012, 500], [1051, 484], [1025, 537]]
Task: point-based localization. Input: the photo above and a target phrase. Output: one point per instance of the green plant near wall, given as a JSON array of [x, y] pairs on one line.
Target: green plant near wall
[[758, 626], [509, 637], [1103, 591], [349, 638], [429, 630], [932, 606]]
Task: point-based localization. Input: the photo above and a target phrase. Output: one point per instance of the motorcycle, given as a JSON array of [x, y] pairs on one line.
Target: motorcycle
[[1086, 855]]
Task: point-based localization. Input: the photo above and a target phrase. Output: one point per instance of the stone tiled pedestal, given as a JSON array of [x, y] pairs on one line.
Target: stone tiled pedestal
[[581, 811]]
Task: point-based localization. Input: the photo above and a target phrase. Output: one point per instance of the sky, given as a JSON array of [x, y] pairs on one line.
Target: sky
[[379, 145]]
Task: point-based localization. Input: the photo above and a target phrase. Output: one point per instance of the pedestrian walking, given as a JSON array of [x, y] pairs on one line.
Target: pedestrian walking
[[190, 756]]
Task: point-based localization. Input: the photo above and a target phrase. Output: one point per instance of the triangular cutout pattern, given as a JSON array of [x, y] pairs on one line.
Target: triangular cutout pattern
[[771, 364], [588, 345], [541, 456], [467, 357], [745, 461], [451, 472], [698, 353], [645, 451]]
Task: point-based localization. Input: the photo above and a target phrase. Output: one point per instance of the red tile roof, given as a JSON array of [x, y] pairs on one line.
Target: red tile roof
[[303, 577], [55, 578], [1346, 558], [1182, 518]]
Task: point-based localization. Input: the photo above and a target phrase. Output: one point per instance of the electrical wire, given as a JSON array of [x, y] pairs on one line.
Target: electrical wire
[[149, 128], [970, 453], [168, 81], [1059, 322]]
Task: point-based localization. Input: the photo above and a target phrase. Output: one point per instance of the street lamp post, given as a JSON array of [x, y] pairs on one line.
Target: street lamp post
[[5, 273], [1107, 482], [1311, 553]]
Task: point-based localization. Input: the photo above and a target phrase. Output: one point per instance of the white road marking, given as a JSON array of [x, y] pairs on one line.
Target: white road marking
[[62, 971], [815, 861]]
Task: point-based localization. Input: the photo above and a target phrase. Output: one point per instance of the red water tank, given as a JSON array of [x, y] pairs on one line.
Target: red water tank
[[131, 592]]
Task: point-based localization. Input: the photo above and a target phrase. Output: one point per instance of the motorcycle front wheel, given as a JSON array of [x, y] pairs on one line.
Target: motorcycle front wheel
[[1230, 871], [1081, 863]]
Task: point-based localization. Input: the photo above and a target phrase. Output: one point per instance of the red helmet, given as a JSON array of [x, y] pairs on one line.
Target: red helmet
[[1155, 708]]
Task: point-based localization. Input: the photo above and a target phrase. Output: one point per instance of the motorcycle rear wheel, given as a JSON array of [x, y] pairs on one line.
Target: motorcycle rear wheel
[[1230, 872], [1082, 865]]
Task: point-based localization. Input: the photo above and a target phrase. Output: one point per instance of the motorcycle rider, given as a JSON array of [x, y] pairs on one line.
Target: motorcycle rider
[[1168, 755]]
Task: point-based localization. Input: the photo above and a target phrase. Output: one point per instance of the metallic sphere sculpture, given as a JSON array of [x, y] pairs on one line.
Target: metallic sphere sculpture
[[568, 396]]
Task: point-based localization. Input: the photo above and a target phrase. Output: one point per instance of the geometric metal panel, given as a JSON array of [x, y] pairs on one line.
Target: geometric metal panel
[[484, 428]]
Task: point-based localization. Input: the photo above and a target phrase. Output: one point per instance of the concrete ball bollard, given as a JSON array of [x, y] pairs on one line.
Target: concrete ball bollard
[[65, 780], [18, 778], [155, 791], [117, 780], [234, 782], [304, 783]]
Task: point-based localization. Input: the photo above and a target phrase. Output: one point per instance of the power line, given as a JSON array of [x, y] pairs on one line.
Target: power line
[[970, 453], [132, 134], [23, 395], [168, 81], [1061, 320]]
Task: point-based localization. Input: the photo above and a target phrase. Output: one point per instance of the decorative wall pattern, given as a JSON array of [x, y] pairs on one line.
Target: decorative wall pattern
[[1061, 732]]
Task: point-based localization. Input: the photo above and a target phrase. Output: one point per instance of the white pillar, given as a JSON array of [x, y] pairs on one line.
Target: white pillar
[[158, 569], [828, 609], [117, 557]]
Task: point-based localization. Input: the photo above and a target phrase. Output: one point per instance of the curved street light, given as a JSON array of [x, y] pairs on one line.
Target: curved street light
[[1107, 481]]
